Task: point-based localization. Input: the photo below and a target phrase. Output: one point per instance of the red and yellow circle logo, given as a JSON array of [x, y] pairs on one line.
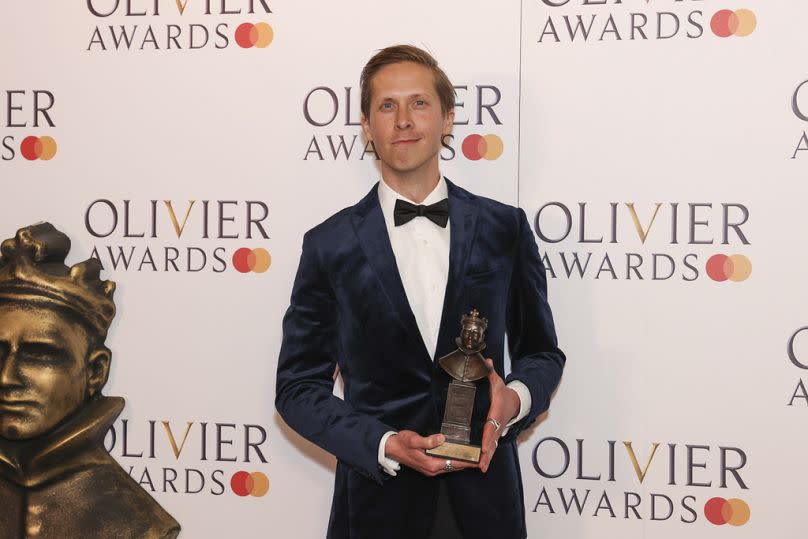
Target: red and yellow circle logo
[[476, 147], [254, 35], [734, 512], [736, 268], [254, 484], [726, 22], [246, 260], [33, 148]]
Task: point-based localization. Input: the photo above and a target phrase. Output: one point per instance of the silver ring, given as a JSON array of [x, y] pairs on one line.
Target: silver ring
[[494, 422], [448, 466]]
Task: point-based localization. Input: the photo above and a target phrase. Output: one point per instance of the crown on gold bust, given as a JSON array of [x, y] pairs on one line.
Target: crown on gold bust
[[474, 318], [32, 270]]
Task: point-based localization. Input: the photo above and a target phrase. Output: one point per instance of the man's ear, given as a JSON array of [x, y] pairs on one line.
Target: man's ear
[[98, 370], [448, 122], [365, 127]]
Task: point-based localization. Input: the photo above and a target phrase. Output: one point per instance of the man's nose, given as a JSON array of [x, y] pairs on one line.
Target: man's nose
[[403, 119], [9, 370]]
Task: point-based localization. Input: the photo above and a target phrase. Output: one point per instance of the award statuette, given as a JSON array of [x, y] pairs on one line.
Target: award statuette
[[465, 365], [57, 479]]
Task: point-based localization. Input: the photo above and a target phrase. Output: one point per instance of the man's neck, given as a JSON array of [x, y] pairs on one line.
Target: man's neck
[[416, 185]]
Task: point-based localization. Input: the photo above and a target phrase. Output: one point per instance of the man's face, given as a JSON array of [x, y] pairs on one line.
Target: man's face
[[43, 370], [470, 336], [406, 123]]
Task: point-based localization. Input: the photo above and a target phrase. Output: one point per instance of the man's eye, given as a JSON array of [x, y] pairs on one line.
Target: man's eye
[[41, 354], [38, 357], [420, 102], [387, 106]]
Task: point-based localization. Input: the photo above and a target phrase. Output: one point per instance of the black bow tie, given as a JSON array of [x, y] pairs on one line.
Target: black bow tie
[[405, 212]]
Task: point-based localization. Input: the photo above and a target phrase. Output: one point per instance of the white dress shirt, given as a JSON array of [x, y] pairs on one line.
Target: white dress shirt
[[421, 250]]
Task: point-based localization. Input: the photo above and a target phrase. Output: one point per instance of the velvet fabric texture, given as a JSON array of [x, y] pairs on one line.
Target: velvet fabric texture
[[349, 308]]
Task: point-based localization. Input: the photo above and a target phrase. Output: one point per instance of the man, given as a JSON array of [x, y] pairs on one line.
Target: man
[[379, 291], [56, 479]]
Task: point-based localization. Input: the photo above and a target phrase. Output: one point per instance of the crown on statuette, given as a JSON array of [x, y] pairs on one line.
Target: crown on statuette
[[474, 318], [32, 270]]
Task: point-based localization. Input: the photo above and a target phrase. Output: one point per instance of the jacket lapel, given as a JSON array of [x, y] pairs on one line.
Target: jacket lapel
[[368, 221], [463, 219], [371, 230]]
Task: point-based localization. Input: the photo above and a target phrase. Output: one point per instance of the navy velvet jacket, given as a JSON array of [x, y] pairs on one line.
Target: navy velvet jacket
[[349, 308]]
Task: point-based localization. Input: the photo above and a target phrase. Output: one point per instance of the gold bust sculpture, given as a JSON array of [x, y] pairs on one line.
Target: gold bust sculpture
[[56, 478], [466, 363]]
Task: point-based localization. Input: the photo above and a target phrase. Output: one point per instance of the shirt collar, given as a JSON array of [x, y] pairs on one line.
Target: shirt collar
[[388, 197]]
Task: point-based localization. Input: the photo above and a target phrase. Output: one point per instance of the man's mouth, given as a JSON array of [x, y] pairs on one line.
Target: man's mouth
[[406, 141], [14, 405]]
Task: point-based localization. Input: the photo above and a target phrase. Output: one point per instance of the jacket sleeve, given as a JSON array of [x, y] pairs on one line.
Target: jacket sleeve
[[536, 360], [306, 366]]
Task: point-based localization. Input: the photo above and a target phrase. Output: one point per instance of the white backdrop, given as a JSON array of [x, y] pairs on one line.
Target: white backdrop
[[706, 131]]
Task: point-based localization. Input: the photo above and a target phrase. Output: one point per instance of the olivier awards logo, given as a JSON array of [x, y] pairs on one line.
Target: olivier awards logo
[[333, 114], [199, 458], [676, 482], [27, 114], [181, 25], [162, 236], [644, 242], [596, 21]]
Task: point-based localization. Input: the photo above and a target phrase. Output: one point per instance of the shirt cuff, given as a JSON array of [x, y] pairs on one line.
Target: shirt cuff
[[388, 465], [525, 401]]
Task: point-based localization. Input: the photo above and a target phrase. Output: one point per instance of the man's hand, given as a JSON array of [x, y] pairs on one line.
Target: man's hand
[[504, 407], [407, 447]]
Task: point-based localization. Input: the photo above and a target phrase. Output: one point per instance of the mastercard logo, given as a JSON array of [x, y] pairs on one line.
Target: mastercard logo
[[736, 268], [254, 35], [476, 147], [254, 484], [734, 512], [726, 22], [246, 260], [33, 148]]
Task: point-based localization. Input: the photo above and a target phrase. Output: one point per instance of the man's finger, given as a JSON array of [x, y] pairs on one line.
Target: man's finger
[[439, 465], [489, 445], [490, 437], [492, 374], [486, 442], [489, 453], [460, 465], [485, 461], [428, 442], [418, 460]]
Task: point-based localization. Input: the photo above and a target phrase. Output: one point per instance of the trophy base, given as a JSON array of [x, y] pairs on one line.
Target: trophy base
[[456, 451]]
